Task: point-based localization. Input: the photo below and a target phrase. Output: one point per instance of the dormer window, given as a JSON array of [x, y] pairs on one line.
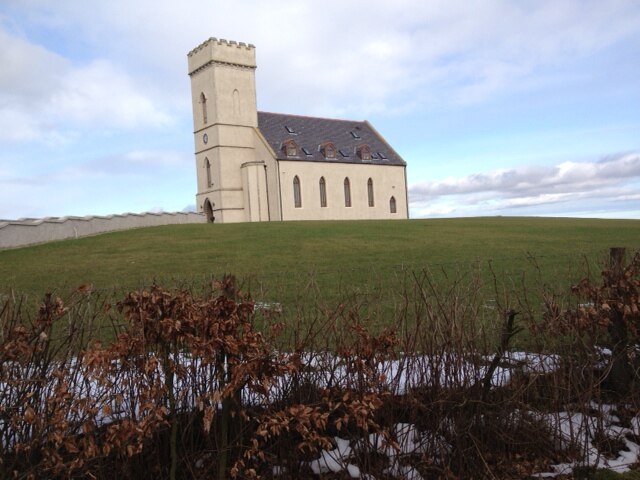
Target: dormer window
[[328, 150], [290, 148], [364, 153]]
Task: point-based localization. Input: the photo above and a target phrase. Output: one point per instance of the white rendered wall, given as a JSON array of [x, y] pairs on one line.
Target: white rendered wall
[[388, 181], [16, 233]]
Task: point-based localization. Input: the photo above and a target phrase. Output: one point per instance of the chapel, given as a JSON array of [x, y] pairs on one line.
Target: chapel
[[260, 166]]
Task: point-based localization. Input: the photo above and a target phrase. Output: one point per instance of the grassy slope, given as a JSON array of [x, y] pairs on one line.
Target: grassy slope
[[284, 254]]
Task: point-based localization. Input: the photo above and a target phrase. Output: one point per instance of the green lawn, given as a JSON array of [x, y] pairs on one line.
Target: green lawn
[[281, 259]]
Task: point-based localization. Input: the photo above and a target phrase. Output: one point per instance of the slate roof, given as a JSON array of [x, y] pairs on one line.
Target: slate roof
[[309, 133]]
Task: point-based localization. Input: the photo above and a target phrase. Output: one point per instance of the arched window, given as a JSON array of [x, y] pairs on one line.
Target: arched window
[[203, 102], [323, 192], [370, 191], [347, 192], [392, 205], [236, 103], [297, 198], [207, 165]]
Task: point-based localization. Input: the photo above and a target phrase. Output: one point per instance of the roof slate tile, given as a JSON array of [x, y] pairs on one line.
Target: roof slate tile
[[311, 132]]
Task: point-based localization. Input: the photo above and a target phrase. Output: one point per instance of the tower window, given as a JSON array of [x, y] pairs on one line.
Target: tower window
[[323, 192], [370, 191], [392, 205], [203, 102], [207, 165], [347, 192], [236, 103], [297, 197]]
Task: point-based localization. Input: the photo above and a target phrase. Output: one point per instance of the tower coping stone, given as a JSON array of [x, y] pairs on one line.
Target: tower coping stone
[[221, 51]]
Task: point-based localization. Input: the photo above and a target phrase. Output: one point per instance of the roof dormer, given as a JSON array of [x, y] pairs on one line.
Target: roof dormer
[[290, 148], [328, 149], [364, 152]]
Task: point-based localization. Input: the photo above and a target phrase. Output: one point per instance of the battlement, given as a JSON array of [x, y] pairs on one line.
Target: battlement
[[222, 51], [221, 41]]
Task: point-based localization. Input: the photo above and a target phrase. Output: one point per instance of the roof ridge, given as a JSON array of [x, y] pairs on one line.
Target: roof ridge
[[314, 117]]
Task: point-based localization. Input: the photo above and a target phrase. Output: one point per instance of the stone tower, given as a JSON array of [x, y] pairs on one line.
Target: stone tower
[[223, 93]]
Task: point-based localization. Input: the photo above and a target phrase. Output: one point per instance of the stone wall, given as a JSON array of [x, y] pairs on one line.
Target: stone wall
[[29, 231]]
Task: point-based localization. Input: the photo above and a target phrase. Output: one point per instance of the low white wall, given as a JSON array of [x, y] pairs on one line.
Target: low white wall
[[29, 231]]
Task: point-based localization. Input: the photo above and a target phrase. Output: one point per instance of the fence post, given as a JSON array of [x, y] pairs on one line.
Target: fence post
[[621, 374], [616, 260]]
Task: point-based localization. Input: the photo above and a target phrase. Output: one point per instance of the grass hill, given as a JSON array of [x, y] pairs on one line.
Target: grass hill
[[280, 259], [451, 346]]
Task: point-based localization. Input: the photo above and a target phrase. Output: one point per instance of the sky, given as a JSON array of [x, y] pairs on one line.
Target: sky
[[499, 107]]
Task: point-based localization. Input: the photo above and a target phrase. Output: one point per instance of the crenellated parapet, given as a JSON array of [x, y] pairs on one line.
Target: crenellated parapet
[[223, 52], [221, 41]]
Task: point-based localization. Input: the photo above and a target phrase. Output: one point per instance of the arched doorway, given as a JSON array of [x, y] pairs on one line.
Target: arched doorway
[[208, 211]]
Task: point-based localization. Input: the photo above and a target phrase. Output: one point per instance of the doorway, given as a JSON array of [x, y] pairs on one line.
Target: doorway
[[208, 211]]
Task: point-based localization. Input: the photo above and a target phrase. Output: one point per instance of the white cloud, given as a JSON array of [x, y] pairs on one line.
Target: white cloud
[[612, 179], [350, 57], [16, 125], [99, 94], [138, 180], [48, 98], [157, 158], [399, 55], [76, 68], [143, 165], [28, 70]]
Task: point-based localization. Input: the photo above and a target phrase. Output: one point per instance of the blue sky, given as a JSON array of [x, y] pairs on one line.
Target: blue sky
[[498, 107]]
